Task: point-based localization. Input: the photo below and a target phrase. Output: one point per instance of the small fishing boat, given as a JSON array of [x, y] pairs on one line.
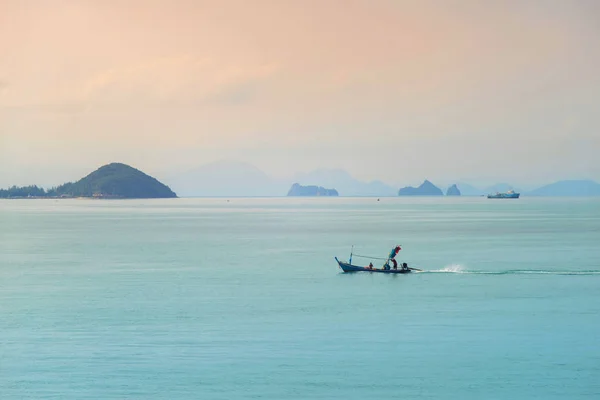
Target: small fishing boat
[[355, 268], [385, 269]]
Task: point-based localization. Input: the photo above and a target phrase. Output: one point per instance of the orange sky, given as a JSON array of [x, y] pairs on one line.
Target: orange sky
[[391, 90]]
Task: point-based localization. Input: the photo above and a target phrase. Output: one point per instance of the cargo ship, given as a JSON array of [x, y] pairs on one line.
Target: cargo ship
[[508, 195]]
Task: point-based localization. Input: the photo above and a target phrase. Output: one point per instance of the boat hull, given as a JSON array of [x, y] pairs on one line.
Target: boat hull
[[504, 196], [355, 268]]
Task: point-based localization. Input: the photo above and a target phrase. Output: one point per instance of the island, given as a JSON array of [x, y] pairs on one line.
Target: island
[[112, 181], [453, 191], [299, 190], [426, 189]]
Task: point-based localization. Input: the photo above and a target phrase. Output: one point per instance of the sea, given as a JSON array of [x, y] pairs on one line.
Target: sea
[[241, 298]]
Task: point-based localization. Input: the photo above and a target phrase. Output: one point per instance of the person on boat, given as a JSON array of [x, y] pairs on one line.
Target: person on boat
[[395, 263], [405, 266], [370, 265]]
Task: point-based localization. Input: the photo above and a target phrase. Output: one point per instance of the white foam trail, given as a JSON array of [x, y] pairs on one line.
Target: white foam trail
[[460, 269], [451, 269]]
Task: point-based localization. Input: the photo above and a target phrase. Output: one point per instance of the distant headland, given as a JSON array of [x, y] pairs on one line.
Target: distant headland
[[112, 181], [299, 190]]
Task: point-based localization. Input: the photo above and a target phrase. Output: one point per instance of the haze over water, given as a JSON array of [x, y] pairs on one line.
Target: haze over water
[[460, 91], [241, 298]]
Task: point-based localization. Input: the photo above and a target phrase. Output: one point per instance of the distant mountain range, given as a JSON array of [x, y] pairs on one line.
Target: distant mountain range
[[469, 190], [242, 179], [227, 179], [237, 179], [345, 184], [568, 188]]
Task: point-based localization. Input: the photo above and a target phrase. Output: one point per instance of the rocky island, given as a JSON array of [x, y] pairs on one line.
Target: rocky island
[[299, 190], [112, 181], [426, 189], [453, 191]]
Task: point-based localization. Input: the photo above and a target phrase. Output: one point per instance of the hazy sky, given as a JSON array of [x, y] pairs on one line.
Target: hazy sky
[[395, 90]]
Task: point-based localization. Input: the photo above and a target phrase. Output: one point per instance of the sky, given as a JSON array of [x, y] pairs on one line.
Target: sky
[[399, 91]]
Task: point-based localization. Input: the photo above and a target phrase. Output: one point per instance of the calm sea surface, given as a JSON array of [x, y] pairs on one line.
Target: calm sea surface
[[218, 299]]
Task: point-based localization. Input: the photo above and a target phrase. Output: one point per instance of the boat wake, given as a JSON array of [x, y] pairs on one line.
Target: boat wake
[[451, 269], [459, 269]]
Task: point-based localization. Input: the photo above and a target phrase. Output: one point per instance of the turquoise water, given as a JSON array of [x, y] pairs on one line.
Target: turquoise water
[[217, 299]]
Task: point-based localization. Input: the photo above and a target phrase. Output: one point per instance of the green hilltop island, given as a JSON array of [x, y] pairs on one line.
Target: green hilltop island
[[112, 181]]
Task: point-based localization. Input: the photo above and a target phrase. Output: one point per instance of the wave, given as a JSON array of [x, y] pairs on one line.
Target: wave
[[460, 269]]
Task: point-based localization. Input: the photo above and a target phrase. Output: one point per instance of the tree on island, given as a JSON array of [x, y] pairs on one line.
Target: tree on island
[[25, 191]]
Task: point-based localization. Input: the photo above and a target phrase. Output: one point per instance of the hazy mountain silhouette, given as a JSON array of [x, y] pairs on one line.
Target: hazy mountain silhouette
[[426, 189], [345, 184], [568, 188], [453, 190], [224, 178], [469, 190], [241, 179]]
